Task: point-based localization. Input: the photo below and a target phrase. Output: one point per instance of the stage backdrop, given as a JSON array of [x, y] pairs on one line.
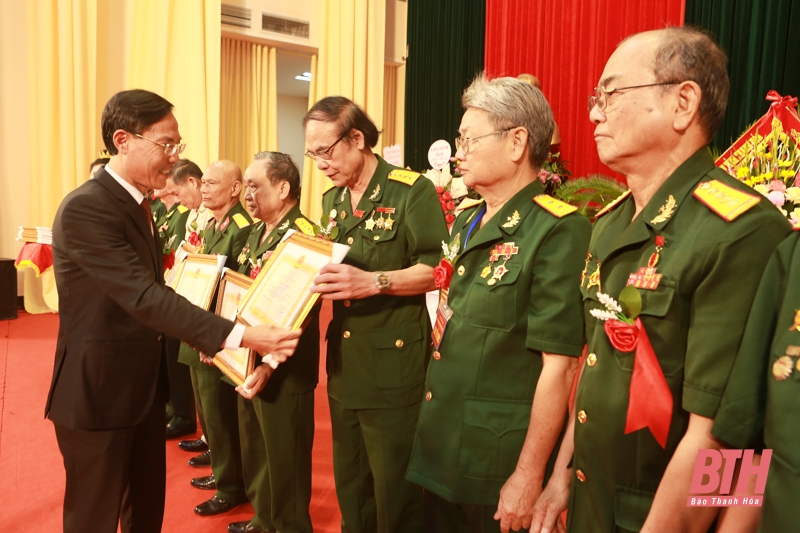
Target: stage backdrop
[[566, 44]]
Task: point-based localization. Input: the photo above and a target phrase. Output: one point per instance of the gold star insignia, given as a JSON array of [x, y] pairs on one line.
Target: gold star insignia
[[387, 224], [369, 224]]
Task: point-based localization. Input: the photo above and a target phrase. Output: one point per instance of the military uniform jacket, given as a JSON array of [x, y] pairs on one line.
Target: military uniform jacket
[[377, 346], [759, 408], [228, 240], [694, 320], [481, 380], [300, 373], [173, 223]]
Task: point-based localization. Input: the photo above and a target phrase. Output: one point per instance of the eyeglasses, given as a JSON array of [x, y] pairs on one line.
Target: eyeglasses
[[462, 143], [326, 154], [169, 149], [601, 94]]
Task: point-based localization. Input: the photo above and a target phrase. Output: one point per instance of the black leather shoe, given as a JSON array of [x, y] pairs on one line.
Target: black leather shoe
[[244, 527], [214, 506], [196, 446], [204, 459], [205, 483], [179, 426]]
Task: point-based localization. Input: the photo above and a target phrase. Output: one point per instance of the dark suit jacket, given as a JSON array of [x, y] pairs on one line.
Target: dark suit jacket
[[115, 310]]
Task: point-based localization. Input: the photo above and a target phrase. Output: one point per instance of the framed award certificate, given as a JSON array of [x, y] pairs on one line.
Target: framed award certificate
[[197, 278], [236, 364], [281, 295], [180, 255]]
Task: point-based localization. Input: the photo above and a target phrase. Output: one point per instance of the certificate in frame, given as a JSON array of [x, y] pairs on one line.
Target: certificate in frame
[[281, 295], [197, 279], [236, 364], [181, 253]]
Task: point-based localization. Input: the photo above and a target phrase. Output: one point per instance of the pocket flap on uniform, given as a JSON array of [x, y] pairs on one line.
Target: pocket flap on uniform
[[498, 416], [396, 336], [631, 507], [657, 302]]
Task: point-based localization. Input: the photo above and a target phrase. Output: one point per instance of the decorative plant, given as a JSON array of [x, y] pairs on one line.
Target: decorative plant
[[590, 194]]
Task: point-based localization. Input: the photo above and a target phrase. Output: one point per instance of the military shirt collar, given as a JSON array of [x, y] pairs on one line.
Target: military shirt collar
[[372, 196], [277, 232]]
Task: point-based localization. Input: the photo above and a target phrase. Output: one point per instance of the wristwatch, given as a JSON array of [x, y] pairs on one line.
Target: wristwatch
[[382, 281]]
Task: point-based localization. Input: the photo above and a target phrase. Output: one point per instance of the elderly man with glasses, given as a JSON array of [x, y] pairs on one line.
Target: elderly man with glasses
[[379, 338], [681, 253], [509, 329]]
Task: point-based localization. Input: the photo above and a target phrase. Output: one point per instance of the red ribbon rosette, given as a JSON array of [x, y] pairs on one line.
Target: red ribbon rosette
[[255, 272], [442, 274], [779, 101], [169, 260], [194, 239], [650, 404]]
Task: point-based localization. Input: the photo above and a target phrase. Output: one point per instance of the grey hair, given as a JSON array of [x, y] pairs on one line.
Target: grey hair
[[510, 103], [280, 166], [690, 53]]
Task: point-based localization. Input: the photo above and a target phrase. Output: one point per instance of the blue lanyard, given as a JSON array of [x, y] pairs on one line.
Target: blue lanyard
[[475, 220]]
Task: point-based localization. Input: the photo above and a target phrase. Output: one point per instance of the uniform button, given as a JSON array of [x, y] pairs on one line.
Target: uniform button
[[582, 416], [591, 359], [349, 240], [346, 335], [437, 355], [376, 238], [428, 395], [399, 343], [580, 475], [347, 303], [160, 338], [461, 270]]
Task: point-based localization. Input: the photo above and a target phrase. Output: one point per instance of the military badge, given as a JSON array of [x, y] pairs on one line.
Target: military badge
[[665, 210], [243, 256], [782, 368], [796, 321], [376, 192], [513, 220], [647, 277]]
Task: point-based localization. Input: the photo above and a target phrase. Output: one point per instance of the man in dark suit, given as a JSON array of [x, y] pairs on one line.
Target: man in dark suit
[[109, 381]]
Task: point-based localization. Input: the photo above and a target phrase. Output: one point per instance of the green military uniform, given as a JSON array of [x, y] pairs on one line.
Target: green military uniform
[[276, 428], [759, 408], [217, 401], [157, 208], [173, 224], [378, 348], [717, 238], [481, 381]]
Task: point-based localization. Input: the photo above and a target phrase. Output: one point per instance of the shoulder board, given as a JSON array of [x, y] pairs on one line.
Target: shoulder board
[[557, 208], [305, 226], [468, 203], [240, 220], [404, 176], [182, 209], [328, 186], [614, 203], [724, 200]]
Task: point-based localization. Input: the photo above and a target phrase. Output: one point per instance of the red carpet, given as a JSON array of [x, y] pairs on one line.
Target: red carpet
[[30, 465]]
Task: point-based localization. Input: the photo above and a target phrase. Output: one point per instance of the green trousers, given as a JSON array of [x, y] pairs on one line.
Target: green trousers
[[277, 437], [442, 516], [371, 450], [217, 408]]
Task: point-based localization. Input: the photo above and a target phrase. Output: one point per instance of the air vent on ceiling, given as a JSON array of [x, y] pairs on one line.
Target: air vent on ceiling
[[236, 16], [295, 28]]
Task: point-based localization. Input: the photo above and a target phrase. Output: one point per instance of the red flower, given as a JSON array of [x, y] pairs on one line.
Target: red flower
[[449, 218], [623, 336], [255, 272], [442, 274], [194, 239], [169, 260], [439, 190], [450, 206], [447, 196]]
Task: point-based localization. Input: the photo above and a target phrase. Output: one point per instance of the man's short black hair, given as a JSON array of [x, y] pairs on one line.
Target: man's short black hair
[[134, 111]]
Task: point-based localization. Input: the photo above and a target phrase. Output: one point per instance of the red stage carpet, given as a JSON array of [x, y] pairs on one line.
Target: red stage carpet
[[30, 465]]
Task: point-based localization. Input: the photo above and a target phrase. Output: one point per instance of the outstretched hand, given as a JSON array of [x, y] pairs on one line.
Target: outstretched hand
[[279, 342]]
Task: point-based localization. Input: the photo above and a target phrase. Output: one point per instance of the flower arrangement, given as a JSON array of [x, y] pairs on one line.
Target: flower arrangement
[[554, 173], [766, 156], [589, 194], [327, 230], [196, 237], [443, 272], [166, 247], [449, 187]]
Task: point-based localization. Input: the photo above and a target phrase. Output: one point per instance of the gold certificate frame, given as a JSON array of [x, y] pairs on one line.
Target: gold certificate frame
[[281, 295], [197, 279], [180, 255], [236, 364]]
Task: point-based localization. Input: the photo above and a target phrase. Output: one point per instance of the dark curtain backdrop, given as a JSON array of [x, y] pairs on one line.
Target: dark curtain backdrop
[[762, 39], [445, 52], [566, 44]]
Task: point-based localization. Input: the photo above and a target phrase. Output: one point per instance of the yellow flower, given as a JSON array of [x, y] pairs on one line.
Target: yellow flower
[[785, 163], [793, 194], [762, 189], [743, 172], [788, 173]]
